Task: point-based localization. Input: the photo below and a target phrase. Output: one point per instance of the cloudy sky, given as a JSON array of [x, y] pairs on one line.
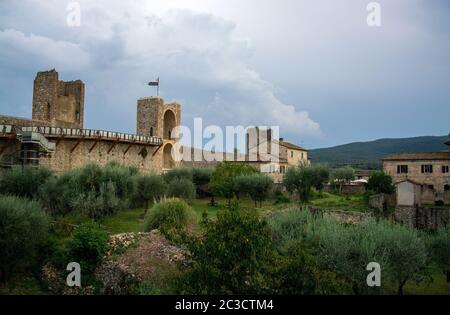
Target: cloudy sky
[[314, 68]]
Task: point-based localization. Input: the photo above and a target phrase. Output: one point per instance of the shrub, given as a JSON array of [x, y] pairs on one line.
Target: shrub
[[223, 178], [257, 186], [23, 181], [380, 182], [181, 188], [149, 188], [97, 206], [177, 174], [169, 214], [23, 230], [87, 247], [234, 256], [280, 197]]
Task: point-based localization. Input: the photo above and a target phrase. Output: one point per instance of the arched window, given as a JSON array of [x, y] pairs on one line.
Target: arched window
[[169, 124]]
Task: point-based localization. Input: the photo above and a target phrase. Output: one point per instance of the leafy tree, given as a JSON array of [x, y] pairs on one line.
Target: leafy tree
[[299, 179], [341, 176], [321, 175], [201, 178], [23, 232], [439, 245], [181, 188], [178, 173], [23, 181], [223, 178], [380, 182], [234, 256], [150, 188], [406, 255], [257, 186]]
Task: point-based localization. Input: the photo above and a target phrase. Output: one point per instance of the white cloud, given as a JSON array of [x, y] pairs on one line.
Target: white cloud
[[199, 57], [23, 50]]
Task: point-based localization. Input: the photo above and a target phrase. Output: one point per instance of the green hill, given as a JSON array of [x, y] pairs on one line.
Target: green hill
[[369, 154]]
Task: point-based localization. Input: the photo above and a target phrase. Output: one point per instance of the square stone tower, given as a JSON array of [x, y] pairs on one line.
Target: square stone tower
[[58, 103], [155, 118]]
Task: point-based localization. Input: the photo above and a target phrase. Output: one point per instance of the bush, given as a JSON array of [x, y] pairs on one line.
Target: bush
[[181, 188], [257, 186], [234, 256], [169, 214], [23, 230], [104, 190], [97, 206], [177, 174], [149, 188], [87, 247], [23, 181], [280, 197], [380, 182], [223, 178]]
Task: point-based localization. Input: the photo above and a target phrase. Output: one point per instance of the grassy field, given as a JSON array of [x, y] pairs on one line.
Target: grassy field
[[348, 203]]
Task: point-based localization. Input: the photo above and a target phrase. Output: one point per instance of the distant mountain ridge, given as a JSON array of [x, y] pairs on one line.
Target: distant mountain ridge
[[369, 154]]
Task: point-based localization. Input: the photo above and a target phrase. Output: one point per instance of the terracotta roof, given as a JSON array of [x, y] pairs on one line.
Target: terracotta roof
[[419, 156], [291, 146]]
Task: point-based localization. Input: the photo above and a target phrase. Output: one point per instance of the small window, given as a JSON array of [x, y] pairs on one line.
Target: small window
[[282, 169], [302, 155], [447, 187], [402, 169], [427, 168], [292, 154], [151, 131], [431, 187], [444, 168]]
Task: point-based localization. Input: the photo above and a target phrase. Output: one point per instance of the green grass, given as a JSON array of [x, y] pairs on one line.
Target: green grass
[[125, 221], [340, 202], [438, 286]]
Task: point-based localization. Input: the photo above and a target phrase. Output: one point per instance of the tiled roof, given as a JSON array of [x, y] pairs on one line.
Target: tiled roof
[[292, 146], [419, 156]]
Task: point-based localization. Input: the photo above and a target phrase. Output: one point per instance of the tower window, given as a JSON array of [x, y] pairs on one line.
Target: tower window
[[151, 131]]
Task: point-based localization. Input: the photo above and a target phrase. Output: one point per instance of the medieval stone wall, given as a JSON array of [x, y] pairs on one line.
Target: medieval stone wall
[[67, 157]]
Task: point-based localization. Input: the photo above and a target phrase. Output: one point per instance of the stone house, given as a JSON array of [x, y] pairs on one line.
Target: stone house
[[273, 156], [428, 171]]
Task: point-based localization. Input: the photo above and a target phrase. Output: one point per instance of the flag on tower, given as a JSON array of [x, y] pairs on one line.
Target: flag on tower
[[154, 83]]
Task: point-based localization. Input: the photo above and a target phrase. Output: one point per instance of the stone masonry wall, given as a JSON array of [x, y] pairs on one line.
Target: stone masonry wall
[[63, 159]]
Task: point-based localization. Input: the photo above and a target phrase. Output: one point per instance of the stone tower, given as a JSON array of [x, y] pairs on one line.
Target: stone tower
[[155, 118], [58, 103]]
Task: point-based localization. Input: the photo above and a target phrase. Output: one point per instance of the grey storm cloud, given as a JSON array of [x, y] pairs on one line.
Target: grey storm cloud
[[117, 50]]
